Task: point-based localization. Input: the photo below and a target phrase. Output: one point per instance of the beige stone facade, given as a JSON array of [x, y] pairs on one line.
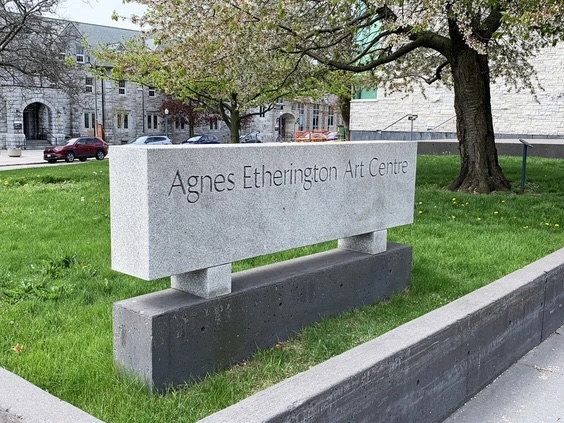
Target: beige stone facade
[[514, 113]]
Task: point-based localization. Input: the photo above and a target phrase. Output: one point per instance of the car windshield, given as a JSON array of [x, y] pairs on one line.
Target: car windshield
[[140, 140], [196, 138], [72, 142]]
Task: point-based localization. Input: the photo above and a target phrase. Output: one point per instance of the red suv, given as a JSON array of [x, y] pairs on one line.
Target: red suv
[[77, 148]]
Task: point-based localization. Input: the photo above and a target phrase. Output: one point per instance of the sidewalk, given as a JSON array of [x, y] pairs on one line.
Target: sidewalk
[[530, 391], [29, 158]]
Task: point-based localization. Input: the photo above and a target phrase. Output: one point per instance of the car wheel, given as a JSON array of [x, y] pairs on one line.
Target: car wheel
[[69, 157], [82, 159], [52, 161], [99, 155]]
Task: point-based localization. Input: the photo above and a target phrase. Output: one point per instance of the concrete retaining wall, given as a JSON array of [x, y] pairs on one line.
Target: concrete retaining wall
[[425, 369], [23, 402]]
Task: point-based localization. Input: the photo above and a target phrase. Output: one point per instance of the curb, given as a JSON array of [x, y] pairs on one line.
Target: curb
[[23, 402]]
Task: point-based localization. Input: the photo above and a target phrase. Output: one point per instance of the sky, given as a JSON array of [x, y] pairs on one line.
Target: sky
[[99, 12]]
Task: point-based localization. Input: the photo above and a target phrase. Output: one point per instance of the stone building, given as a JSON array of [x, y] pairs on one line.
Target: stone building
[[118, 111], [515, 114], [289, 117]]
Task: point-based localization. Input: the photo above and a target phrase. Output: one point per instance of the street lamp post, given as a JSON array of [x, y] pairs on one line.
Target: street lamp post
[[166, 122]]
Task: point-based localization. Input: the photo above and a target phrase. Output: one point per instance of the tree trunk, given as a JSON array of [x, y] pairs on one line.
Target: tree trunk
[[479, 168], [345, 109], [234, 125]]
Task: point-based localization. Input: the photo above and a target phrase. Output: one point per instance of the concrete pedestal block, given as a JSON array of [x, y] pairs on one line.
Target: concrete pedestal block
[[206, 283], [370, 243], [14, 152], [171, 337]]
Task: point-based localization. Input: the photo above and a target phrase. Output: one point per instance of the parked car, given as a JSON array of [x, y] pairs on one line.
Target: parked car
[[151, 140], [77, 148], [202, 139], [250, 138], [332, 136]]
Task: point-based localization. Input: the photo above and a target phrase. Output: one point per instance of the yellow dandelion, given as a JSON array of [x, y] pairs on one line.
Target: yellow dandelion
[[496, 212], [18, 348], [556, 225]]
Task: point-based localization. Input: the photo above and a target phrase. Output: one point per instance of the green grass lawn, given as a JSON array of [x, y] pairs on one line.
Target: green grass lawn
[[57, 288]]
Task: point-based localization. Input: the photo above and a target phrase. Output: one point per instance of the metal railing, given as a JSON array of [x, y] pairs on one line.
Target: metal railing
[[410, 116], [45, 134], [441, 124]]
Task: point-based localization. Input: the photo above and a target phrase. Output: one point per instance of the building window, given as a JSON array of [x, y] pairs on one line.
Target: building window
[[122, 121], [152, 121], [88, 84], [315, 120], [80, 58], [363, 94], [301, 110], [121, 87], [213, 123], [262, 111], [179, 123], [331, 117], [151, 91], [89, 120]]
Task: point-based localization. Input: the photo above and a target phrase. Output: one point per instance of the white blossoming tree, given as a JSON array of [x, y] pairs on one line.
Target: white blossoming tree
[[215, 53], [463, 43]]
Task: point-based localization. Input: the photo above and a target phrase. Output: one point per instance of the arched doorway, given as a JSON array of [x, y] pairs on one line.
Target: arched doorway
[[286, 126], [37, 121]]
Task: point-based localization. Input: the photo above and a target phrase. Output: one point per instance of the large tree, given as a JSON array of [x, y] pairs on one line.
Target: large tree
[[465, 43], [214, 52], [32, 47]]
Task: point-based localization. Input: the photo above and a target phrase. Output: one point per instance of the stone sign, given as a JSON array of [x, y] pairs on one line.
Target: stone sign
[[189, 211], [177, 209]]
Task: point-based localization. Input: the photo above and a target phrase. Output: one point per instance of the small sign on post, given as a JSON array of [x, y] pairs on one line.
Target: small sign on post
[[526, 145]]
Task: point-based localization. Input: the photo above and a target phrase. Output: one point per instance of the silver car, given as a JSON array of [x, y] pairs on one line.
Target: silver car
[[152, 140]]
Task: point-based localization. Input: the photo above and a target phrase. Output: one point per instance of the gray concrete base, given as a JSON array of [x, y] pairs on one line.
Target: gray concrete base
[[170, 337], [425, 369]]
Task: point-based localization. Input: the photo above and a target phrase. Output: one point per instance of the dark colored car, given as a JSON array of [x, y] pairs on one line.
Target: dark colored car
[[202, 139], [77, 148], [250, 138]]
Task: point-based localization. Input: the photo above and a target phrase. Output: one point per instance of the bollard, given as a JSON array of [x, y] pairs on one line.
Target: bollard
[[526, 145]]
